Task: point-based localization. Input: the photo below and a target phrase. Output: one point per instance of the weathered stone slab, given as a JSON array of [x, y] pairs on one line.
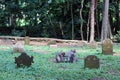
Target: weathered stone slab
[[91, 61], [27, 40], [93, 45], [107, 47], [18, 47], [51, 43]]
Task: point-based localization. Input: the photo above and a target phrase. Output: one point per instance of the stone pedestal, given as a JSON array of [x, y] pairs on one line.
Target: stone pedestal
[[107, 47], [18, 48], [93, 45], [27, 40]]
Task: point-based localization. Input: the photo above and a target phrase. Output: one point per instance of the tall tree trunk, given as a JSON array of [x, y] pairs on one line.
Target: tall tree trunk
[[97, 19], [11, 20], [109, 30], [72, 22], [81, 18], [97, 23], [53, 27], [105, 22], [88, 23], [92, 8], [60, 23]]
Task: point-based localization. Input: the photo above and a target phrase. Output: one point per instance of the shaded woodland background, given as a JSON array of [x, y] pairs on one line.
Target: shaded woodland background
[[60, 19]]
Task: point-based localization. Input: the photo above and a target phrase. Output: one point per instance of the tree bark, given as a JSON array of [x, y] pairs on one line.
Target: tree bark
[[97, 23], [88, 23], [81, 18], [92, 8], [61, 29], [105, 22], [72, 23]]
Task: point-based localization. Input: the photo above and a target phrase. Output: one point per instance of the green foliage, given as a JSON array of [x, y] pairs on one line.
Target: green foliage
[[117, 37], [18, 33], [45, 16], [45, 68]]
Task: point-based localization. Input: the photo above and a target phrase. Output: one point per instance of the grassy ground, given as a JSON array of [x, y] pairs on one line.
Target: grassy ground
[[45, 68]]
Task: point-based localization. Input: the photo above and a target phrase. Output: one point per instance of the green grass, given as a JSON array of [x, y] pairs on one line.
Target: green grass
[[45, 68]]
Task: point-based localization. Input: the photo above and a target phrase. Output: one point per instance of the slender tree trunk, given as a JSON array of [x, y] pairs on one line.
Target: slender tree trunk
[[119, 9], [52, 26], [88, 23], [97, 22], [60, 23], [97, 19], [72, 23], [105, 22], [92, 8], [109, 30], [68, 4], [81, 18], [11, 20]]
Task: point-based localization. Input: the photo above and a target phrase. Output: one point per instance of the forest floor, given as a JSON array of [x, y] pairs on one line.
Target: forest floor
[[9, 42], [45, 67], [45, 42]]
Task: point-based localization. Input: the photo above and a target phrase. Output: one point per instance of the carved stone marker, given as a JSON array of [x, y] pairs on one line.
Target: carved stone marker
[[24, 59], [18, 48], [107, 47], [91, 61], [27, 40], [51, 43], [93, 45]]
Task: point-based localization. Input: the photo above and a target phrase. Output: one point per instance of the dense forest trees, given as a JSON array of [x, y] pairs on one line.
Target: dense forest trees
[[65, 19]]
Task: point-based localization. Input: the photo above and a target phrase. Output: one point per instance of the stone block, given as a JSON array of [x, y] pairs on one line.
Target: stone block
[[107, 47], [27, 40], [18, 48]]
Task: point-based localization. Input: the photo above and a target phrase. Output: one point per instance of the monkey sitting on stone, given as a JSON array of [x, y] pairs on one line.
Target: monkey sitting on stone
[[60, 57], [71, 56], [24, 59]]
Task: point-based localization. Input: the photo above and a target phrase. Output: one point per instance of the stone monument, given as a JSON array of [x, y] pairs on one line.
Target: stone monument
[[107, 47], [91, 61]]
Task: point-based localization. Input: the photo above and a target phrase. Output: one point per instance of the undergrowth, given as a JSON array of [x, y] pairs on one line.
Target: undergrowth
[[45, 67]]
